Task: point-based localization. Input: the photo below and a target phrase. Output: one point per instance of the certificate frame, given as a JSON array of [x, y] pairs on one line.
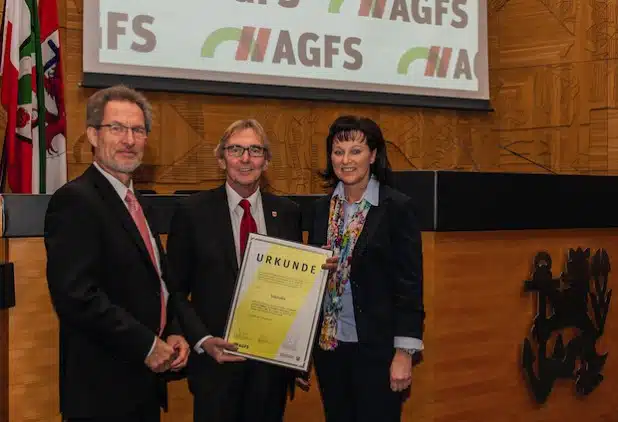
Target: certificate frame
[[254, 301]]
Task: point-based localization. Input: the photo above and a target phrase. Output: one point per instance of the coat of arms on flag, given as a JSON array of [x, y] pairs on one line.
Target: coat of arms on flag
[[34, 152]]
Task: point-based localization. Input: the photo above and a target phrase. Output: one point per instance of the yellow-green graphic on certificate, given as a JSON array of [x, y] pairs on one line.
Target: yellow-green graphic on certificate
[[265, 313]]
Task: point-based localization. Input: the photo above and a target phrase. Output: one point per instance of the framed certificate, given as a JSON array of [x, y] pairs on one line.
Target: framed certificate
[[277, 302]]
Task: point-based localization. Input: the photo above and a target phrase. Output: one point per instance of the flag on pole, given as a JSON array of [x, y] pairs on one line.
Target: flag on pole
[[53, 84], [34, 153]]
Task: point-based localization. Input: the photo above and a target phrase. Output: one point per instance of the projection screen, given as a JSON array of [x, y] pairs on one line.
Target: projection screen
[[405, 52]]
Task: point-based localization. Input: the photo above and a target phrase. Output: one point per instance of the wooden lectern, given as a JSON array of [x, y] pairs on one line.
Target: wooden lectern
[[481, 235]]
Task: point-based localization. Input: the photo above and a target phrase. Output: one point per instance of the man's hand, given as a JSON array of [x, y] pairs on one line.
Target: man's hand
[[215, 347], [303, 383], [181, 347], [401, 371], [161, 356]]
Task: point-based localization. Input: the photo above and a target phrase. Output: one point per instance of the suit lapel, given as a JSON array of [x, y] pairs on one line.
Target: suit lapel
[[162, 256], [221, 218], [374, 216], [120, 211], [271, 215], [148, 212]]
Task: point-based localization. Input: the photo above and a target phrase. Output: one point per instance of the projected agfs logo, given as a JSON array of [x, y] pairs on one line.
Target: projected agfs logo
[[306, 50], [438, 62]]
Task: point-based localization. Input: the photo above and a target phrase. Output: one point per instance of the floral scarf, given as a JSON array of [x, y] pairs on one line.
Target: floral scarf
[[341, 240]]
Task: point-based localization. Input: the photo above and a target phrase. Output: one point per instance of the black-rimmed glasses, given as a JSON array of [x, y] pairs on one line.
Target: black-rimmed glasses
[[237, 151]]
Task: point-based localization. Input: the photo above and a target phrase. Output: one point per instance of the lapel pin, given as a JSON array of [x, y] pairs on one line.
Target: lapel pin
[[274, 213]]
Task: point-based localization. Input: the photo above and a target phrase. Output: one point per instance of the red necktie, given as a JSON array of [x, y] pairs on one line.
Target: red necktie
[[247, 225], [135, 209]]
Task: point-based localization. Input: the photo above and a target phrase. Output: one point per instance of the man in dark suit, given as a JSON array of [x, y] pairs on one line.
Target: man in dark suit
[[205, 246], [107, 277]]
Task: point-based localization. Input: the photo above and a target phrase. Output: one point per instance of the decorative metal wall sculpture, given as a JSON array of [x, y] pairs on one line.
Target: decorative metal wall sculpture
[[576, 303]]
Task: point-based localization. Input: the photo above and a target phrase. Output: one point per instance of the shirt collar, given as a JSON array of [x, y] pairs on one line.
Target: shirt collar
[[118, 186], [233, 198], [371, 194]]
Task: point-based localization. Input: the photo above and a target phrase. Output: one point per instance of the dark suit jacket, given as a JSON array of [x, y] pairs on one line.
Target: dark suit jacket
[[106, 292], [202, 254], [386, 269]]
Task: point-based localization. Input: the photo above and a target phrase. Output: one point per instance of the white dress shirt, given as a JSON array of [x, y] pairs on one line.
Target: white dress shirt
[[121, 190], [236, 213]]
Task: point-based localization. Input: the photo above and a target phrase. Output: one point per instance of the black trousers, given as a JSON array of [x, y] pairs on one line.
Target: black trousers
[[354, 382], [145, 413], [242, 392]]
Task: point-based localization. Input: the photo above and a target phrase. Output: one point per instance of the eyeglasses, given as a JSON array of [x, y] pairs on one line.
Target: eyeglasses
[[118, 129], [237, 151]]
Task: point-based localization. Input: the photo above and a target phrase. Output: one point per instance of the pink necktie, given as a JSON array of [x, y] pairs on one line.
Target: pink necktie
[[139, 218]]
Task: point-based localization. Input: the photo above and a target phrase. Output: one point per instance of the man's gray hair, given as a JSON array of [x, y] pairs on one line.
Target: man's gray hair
[[97, 102]]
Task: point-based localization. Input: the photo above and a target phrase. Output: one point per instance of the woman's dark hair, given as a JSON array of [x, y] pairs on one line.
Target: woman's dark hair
[[346, 128]]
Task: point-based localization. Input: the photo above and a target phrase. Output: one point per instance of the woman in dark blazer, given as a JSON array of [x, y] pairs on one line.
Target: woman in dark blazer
[[371, 327]]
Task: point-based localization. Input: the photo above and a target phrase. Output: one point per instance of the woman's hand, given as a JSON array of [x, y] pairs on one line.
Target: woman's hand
[[401, 371], [331, 263]]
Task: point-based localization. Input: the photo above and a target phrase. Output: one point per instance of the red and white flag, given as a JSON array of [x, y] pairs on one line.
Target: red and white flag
[[33, 95]]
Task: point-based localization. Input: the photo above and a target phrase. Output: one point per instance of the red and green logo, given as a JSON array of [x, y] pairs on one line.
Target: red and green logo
[[251, 43], [306, 50], [438, 62]]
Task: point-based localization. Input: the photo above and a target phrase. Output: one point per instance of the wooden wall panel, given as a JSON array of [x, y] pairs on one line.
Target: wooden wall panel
[[477, 319], [481, 316], [553, 76], [33, 338], [4, 347]]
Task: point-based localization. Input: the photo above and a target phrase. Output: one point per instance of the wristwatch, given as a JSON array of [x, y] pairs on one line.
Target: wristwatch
[[417, 355]]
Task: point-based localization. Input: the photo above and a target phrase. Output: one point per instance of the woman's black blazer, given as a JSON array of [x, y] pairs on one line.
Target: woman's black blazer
[[386, 269]]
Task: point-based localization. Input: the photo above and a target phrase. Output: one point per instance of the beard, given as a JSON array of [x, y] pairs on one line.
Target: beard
[[122, 167]]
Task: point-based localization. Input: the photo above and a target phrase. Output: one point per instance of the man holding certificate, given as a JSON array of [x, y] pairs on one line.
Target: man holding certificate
[[207, 240]]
